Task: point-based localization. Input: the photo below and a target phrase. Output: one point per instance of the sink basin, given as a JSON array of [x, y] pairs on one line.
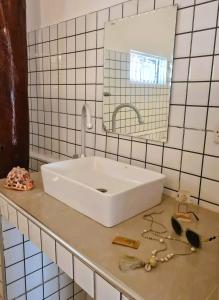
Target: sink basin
[[105, 190]]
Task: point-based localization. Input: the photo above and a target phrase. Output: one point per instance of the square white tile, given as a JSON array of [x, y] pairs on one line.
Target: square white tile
[[48, 246], [154, 154], [191, 163], [91, 58], [84, 277], [100, 38], [45, 34], [211, 147], [194, 140], [163, 3], [184, 20], [203, 42], [23, 224], [80, 42], [124, 148], [104, 290], [70, 60], [91, 38], [71, 27], [198, 93], [182, 45], [103, 16], [176, 115], [214, 99], [62, 46], [100, 142], [183, 3], [175, 137], [112, 145], [116, 12], [35, 235], [80, 25], [211, 167], [91, 21], [71, 44], [195, 117], [197, 65], [217, 43], [80, 59], [213, 120], [90, 75], [180, 69], [80, 76], [172, 179], [178, 93], [190, 183], [216, 68], [12, 215], [130, 8], [172, 158], [62, 30], [210, 190], [145, 5], [139, 151], [203, 10], [64, 260]]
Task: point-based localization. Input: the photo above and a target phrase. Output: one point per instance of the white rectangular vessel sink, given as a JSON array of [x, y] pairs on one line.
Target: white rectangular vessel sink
[[107, 191]]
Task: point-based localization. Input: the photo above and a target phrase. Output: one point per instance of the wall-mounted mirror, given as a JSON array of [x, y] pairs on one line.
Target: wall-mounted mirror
[[138, 57]]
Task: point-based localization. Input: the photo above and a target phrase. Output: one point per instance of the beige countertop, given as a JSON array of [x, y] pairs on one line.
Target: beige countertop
[[194, 277]]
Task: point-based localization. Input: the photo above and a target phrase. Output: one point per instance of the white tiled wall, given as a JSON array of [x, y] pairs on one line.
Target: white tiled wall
[[66, 69]]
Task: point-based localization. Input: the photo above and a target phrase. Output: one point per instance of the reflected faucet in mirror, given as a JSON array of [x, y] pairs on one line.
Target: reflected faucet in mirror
[[86, 122], [140, 119]]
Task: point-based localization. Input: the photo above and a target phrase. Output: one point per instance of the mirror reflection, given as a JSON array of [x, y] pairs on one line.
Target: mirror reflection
[[138, 57]]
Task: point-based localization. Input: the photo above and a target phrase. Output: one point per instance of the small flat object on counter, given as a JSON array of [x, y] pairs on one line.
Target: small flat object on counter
[[19, 179], [127, 263], [120, 240]]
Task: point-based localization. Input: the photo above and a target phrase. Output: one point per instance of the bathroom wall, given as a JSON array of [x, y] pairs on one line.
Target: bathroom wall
[[66, 69]]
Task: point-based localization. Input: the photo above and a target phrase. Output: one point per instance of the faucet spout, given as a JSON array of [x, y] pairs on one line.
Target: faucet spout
[[120, 106], [86, 123]]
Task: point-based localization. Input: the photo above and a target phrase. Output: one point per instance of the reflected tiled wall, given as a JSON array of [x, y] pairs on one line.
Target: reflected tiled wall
[[152, 101], [66, 69]]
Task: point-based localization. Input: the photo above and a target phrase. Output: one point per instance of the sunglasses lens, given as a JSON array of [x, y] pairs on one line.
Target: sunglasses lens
[[176, 226], [193, 238]]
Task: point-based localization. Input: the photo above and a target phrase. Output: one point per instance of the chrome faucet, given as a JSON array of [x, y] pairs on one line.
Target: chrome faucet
[[86, 122], [140, 119]]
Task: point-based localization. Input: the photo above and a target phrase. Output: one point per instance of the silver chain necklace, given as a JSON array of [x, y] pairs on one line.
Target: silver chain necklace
[[161, 237]]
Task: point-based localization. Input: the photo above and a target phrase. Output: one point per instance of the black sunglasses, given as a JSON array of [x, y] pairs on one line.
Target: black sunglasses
[[192, 237]]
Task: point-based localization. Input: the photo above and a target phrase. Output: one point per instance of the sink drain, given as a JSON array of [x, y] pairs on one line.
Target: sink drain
[[102, 190]]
